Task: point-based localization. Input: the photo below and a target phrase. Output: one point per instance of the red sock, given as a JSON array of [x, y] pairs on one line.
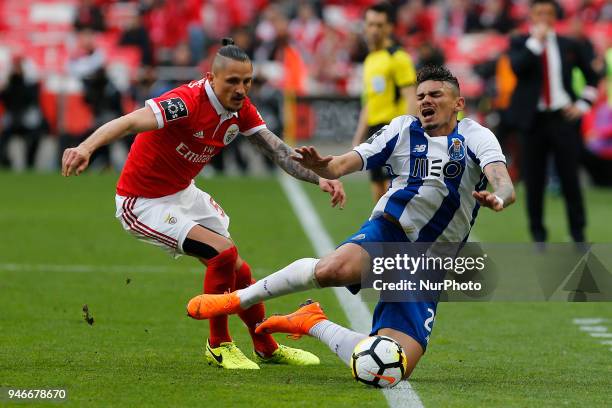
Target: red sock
[[219, 278], [264, 343]]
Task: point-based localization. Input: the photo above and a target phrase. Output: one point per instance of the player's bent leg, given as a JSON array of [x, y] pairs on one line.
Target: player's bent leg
[[266, 350], [219, 254], [413, 350], [295, 277], [297, 323], [310, 320], [264, 344], [342, 267], [220, 278], [199, 231], [204, 243]]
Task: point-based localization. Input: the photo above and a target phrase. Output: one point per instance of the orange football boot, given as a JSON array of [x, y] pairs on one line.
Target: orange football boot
[[297, 323], [206, 306]]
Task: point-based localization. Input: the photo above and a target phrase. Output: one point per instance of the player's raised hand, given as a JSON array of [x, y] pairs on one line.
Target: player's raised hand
[[335, 189], [75, 160], [310, 158], [488, 199]]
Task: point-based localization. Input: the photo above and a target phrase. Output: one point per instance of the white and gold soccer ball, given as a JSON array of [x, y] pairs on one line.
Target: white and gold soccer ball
[[379, 361]]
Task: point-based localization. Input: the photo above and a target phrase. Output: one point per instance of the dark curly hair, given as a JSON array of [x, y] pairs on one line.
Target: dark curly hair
[[437, 73]]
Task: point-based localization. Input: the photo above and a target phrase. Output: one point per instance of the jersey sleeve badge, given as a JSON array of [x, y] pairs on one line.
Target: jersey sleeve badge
[[174, 108]]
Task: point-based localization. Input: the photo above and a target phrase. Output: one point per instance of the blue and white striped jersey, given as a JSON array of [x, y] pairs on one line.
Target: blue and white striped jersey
[[432, 177]]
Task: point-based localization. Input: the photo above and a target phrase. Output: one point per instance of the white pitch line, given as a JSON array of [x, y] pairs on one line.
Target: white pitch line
[[401, 396], [589, 320], [595, 329], [588, 325], [601, 335]]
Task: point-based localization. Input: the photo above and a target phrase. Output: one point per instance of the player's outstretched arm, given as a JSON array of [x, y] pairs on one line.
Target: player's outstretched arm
[[76, 159], [278, 151], [503, 194], [331, 167]]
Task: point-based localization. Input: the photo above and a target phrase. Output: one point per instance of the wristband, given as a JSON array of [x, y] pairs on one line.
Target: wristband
[[499, 199]]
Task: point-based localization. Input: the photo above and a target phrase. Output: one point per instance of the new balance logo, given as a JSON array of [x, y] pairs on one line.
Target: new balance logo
[[199, 135], [419, 148]]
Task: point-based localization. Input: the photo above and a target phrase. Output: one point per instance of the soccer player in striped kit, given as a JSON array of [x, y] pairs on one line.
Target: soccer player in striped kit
[[157, 201], [438, 167]]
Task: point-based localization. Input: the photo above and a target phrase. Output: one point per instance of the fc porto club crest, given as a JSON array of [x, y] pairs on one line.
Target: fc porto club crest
[[456, 151], [230, 134]]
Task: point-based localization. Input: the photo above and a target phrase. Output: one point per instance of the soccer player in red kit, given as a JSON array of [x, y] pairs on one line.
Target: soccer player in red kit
[[158, 202]]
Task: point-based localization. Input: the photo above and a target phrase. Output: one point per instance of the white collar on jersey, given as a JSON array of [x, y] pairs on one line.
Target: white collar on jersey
[[221, 111]]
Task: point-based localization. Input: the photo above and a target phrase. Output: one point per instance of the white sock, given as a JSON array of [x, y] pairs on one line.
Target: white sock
[[340, 340], [295, 277]]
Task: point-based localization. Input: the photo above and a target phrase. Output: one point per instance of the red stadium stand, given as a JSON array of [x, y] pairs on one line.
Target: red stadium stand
[[118, 16], [42, 31]]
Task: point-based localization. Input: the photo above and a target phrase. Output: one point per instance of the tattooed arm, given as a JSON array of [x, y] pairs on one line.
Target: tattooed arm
[[278, 151], [503, 194]]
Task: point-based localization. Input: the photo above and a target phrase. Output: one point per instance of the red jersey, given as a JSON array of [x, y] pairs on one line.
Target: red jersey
[[193, 126]]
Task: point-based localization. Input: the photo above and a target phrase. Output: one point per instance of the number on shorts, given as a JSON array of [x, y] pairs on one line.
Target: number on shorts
[[217, 207], [429, 320]]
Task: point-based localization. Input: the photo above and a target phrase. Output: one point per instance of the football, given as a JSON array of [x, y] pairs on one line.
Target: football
[[378, 361]]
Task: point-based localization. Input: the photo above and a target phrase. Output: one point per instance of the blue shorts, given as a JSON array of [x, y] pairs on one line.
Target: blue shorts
[[413, 318]]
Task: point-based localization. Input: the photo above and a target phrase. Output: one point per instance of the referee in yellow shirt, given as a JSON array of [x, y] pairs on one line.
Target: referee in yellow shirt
[[389, 81]]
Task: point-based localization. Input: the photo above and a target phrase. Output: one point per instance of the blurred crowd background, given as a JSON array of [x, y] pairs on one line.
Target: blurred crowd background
[[68, 66]]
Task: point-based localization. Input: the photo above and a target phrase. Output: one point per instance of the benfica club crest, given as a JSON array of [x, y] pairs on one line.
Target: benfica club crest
[[230, 134]]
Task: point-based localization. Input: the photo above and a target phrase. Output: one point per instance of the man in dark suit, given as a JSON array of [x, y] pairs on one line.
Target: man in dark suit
[[546, 110]]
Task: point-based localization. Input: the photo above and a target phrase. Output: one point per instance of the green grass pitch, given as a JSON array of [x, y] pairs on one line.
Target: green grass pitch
[[61, 248]]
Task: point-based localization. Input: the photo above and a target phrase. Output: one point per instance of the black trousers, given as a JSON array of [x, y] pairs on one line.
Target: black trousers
[[378, 173], [552, 133], [31, 138]]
